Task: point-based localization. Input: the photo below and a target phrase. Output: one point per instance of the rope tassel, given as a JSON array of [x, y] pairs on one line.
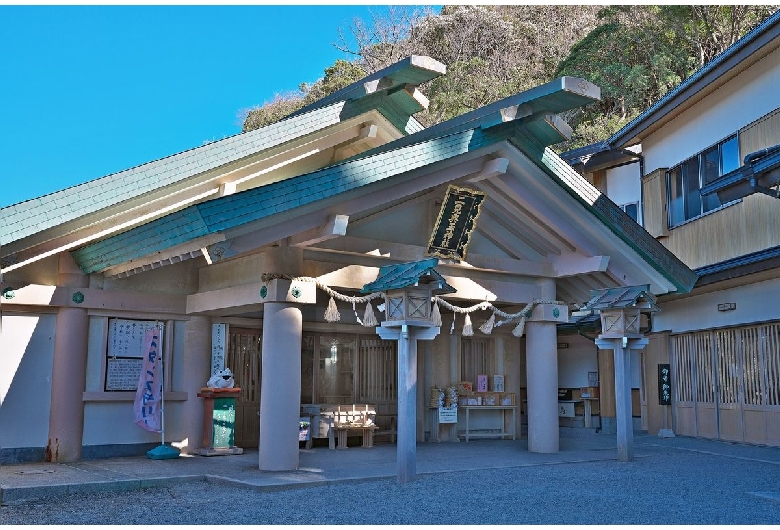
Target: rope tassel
[[487, 327], [332, 313], [518, 331], [369, 320], [436, 315], [468, 329]]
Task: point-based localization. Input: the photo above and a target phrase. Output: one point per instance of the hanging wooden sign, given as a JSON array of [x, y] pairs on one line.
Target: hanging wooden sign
[[664, 385], [455, 224]]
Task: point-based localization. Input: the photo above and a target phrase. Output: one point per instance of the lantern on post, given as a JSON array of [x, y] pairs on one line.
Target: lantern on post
[[621, 310], [408, 289]]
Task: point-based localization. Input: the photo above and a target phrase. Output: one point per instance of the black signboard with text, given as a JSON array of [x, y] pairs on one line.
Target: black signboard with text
[[456, 221], [664, 385]]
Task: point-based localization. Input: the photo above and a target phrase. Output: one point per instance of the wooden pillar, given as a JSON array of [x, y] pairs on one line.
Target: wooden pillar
[[406, 447], [196, 361], [69, 364], [607, 391], [280, 390], [622, 348], [542, 371]]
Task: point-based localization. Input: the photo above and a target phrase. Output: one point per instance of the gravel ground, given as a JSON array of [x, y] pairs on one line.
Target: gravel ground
[[661, 486]]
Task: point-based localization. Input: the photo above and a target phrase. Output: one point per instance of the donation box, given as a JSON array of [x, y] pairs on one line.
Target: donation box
[[219, 420]]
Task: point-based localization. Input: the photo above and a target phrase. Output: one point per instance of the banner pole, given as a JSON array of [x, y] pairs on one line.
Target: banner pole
[[163, 451]]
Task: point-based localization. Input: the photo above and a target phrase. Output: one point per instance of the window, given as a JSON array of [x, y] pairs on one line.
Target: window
[[685, 181], [632, 209]]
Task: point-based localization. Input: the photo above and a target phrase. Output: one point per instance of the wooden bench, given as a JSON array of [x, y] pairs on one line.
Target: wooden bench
[[342, 431]]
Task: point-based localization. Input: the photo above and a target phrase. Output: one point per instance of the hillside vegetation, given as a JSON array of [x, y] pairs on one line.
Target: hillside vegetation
[[634, 53]]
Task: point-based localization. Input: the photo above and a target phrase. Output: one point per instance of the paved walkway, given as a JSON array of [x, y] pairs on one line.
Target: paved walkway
[[318, 466]]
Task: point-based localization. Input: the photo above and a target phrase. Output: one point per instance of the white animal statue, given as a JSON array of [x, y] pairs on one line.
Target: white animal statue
[[222, 379]]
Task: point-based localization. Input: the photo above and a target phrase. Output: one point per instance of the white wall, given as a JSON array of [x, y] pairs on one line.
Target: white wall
[[576, 361], [107, 423], [623, 184], [741, 101], [755, 303], [26, 353]]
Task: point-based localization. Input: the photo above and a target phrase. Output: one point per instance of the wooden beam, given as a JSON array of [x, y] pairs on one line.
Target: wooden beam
[[335, 226], [401, 252], [168, 254], [492, 167], [575, 264]]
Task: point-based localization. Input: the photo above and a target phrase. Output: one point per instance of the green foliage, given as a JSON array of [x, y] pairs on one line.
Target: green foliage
[[271, 112], [640, 52], [634, 53], [341, 74]]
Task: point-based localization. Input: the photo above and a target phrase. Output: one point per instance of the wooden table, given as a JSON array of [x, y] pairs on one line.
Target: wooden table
[[513, 425]]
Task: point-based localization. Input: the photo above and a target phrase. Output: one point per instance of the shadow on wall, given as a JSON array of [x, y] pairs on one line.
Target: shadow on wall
[[26, 360]]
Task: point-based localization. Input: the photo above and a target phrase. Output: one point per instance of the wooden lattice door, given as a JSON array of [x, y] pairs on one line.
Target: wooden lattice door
[[245, 360]]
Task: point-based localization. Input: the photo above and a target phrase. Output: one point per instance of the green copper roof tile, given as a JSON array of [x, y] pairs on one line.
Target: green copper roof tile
[[156, 174], [401, 275]]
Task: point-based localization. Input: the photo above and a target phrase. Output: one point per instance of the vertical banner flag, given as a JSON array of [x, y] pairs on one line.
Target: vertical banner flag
[[146, 408], [456, 222]]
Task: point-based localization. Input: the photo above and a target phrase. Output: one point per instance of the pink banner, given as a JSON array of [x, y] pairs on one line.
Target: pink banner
[[147, 398]]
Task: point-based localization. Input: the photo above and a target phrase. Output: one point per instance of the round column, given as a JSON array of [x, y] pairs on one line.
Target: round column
[[69, 365], [196, 362], [280, 391], [541, 350]]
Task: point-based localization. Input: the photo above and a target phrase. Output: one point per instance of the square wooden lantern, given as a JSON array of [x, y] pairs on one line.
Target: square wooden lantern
[[621, 310], [408, 289]]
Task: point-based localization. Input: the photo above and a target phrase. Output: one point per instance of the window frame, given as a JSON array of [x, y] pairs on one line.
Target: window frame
[[679, 186]]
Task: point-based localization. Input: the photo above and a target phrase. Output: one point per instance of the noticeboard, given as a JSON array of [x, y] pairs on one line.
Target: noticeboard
[[664, 385], [124, 353], [448, 414]]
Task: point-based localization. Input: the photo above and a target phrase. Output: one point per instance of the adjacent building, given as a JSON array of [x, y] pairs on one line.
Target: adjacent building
[[699, 170]]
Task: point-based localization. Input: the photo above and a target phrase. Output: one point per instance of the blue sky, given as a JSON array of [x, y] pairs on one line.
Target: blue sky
[[91, 90]]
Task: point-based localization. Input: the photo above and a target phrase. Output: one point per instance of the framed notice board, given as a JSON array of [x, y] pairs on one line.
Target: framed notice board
[[124, 354]]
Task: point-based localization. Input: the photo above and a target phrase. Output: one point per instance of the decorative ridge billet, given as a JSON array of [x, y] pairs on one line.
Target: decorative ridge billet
[[413, 70], [564, 93]]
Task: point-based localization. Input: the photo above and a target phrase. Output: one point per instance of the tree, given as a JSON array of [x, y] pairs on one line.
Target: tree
[[638, 53]]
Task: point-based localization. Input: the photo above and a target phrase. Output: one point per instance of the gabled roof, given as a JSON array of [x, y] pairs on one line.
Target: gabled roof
[[468, 133], [756, 44], [523, 124], [400, 275], [393, 95], [35, 215]]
